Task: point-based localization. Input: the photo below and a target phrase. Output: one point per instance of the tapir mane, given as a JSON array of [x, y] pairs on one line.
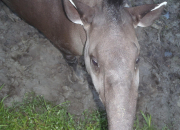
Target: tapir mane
[[116, 3], [113, 9]]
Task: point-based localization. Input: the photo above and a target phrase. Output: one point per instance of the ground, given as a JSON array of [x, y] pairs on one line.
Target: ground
[[29, 62]]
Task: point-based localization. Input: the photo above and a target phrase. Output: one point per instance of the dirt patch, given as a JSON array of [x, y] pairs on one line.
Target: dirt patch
[[29, 62], [159, 89]]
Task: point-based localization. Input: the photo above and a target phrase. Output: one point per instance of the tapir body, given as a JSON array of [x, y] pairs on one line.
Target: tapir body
[[102, 31]]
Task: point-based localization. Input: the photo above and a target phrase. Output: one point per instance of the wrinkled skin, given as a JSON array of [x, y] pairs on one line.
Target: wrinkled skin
[[108, 42]]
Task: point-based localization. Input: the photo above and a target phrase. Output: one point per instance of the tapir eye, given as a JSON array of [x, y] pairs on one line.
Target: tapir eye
[[137, 60], [137, 63], [94, 63]]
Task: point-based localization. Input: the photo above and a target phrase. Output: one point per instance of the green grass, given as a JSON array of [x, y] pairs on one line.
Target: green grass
[[34, 113], [147, 123]]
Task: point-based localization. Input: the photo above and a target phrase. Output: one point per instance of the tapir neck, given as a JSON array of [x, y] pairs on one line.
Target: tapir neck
[[121, 110]]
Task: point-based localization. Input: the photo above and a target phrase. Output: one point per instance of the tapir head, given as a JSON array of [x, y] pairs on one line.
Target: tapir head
[[111, 52]]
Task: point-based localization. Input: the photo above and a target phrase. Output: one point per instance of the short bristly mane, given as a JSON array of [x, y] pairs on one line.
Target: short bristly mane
[[113, 8], [116, 3]]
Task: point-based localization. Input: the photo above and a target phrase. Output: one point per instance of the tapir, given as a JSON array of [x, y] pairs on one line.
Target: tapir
[[103, 31]]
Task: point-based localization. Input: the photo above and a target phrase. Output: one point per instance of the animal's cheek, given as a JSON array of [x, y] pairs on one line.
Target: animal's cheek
[[97, 81], [136, 77]]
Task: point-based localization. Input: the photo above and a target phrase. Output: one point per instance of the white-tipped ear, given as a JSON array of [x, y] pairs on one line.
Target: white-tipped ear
[[71, 12], [145, 15], [78, 12], [160, 5], [73, 3]]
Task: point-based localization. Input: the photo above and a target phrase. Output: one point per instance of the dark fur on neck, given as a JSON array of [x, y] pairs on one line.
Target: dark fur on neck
[[116, 3], [113, 8]]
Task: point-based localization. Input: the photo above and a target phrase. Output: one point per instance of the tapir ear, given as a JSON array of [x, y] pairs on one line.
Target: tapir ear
[[145, 15], [78, 12]]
